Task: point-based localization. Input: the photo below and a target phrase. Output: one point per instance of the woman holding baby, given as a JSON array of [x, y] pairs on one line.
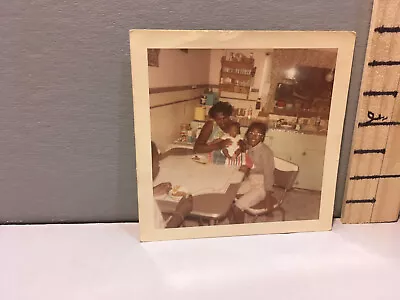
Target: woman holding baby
[[219, 134]]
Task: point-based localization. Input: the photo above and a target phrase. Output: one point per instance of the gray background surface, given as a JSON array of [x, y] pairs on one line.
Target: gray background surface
[[66, 130]]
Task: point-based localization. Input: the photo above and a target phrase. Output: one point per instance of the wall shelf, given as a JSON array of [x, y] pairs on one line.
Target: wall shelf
[[236, 76]]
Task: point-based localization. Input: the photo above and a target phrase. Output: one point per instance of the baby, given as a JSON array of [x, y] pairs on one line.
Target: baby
[[233, 134]]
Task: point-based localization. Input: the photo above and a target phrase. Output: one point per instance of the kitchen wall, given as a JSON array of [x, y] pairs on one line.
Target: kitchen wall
[[284, 59], [177, 68], [166, 119], [175, 89]]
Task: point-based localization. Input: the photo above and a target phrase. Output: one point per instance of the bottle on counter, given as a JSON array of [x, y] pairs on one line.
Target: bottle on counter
[[249, 113], [258, 104], [188, 133], [298, 127]]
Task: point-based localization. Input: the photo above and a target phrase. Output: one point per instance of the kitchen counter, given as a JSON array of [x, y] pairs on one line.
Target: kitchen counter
[[309, 132], [244, 123], [300, 113]]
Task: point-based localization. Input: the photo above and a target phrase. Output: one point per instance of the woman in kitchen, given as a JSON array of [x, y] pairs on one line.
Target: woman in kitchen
[[209, 139]]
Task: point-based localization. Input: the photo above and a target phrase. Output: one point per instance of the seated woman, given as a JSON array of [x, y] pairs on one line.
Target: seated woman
[[211, 135], [183, 208]]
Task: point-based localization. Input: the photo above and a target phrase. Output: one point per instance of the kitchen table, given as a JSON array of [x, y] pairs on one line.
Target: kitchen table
[[213, 186]]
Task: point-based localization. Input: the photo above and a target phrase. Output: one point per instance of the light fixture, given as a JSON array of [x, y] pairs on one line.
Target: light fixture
[[291, 73]]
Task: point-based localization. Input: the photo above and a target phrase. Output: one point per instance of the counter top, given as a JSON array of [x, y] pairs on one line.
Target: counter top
[[300, 113], [320, 133], [246, 122]]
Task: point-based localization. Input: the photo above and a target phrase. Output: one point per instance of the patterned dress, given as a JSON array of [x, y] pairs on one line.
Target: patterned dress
[[216, 157]]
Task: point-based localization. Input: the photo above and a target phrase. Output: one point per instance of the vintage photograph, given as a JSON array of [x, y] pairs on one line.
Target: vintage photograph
[[238, 136]]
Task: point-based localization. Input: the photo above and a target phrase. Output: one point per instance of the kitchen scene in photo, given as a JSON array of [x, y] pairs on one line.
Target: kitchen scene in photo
[[290, 90]]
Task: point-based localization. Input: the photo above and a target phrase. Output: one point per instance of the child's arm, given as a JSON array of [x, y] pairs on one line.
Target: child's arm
[[242, 145], [236, 153], [245, 170], [225, 152], [162, 188]]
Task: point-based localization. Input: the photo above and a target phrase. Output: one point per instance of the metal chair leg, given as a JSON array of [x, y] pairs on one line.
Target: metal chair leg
[[201, 222], [283, 213]]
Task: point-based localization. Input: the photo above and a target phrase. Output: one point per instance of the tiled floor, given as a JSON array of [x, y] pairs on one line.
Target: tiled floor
[[298, 205]]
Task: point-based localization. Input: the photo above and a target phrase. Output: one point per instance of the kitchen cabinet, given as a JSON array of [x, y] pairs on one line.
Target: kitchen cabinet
[[305, 150]]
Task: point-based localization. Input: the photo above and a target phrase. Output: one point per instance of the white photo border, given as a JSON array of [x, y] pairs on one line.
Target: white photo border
[[143, 39]]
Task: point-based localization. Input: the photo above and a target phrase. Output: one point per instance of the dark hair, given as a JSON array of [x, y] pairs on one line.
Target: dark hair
[[154, 150], [221, 107], [259, 125], [236, 124]]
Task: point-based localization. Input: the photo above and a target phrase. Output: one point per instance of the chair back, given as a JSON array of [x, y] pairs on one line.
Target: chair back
[[285, 173]]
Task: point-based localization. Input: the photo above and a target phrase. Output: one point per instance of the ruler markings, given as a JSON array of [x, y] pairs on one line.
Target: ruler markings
[[368, 151], [387, 29], [380, 93], [366, 124], [364, 177], [372, 200], [389, 63]]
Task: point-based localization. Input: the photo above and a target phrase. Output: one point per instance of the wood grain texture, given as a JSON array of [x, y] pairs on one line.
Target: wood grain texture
[[382, 47]]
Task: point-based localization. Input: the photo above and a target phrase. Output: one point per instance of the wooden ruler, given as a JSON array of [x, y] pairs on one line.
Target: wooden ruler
[[373, 185]]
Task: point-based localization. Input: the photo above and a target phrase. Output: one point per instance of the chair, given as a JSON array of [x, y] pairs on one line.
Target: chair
[[285, 175]]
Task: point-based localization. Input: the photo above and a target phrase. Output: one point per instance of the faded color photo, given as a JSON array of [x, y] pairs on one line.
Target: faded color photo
[[239, 135]]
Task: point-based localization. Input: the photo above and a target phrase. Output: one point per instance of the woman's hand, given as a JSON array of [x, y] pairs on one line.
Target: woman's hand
[[162, 188], [224, 143], [244, 169], [242, 145]]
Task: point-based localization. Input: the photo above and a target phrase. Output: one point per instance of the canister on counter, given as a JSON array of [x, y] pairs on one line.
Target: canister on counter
[[200, 113]]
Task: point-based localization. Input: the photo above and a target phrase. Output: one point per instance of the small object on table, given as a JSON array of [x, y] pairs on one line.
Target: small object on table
[[200, 159], [177, 192]]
